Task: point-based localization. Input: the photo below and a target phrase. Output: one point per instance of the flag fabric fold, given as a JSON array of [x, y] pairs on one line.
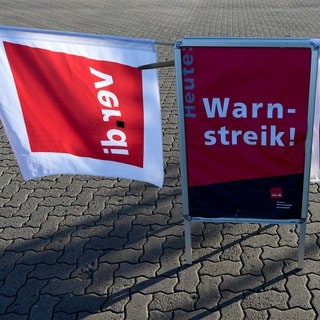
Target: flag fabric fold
[[77, 103]]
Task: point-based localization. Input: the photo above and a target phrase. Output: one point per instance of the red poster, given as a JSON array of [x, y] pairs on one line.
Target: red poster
[[245, 113]]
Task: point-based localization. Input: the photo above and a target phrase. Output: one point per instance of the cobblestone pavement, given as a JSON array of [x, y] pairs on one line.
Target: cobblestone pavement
[[80, 247]]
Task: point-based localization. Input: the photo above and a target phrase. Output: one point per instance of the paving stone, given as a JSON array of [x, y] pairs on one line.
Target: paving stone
[[48, 192], [196, 314], [27, 295], [79, 221], [212, 236], [72, 250], [256, 314], [14, 316], [102, 278], [169, 262], [73, 304], [299, 293], [208, 292], [314, 207], [5, 302], [279, 253], [7, 211], [315, 301], [292, 314], [118, 295], [57, 201], [313, 228], [22, 233], [8, 262], [220, 268], [38, 216], [34, 244], [241, 282], [262, 240], [248, 229], [87, 264], [311, 247], [169, 302], [265, 300], [34, 257], [152, 250], [57, 287], [105, 243], [124, 255], [171, 242], [83, 198], [14, 222], [137, 236], [122, 226], [188, 279], [163, 206], [59, 270], [206, 254], [10, 189], [97, 204], [130, 270], [156, 218], [101, 316], [49, 226], [172, 230], [72, 189], [314, 280], [231, 249], [44, 307], [137, 307], [66, 211], [5, 179], [287, 235], [275, 279], [64, 316], [251, 260], [230, 306], [160, 315], [149, 197], [15, 279], [310, 266], [153, 285], [59, 240]]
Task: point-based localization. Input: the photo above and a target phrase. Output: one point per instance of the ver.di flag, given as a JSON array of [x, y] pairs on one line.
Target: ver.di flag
[[78, 104]]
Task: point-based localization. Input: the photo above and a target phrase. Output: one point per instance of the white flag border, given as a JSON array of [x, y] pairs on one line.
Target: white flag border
[[98, 47]]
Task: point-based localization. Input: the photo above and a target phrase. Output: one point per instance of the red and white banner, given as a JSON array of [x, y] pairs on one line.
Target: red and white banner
[[78, 104], [245, 111]]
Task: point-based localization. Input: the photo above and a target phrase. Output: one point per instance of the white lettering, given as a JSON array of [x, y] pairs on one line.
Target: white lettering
[[116, 142], [219, 108], [216, 106]]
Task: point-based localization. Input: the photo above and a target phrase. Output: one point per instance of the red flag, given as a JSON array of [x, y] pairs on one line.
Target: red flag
[[75, 103]]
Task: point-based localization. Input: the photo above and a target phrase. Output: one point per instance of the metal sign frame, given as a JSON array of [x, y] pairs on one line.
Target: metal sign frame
[[245, 42]]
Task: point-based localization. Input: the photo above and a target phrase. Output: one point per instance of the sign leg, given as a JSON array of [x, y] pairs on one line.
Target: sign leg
[[187, 239], [302, 240]]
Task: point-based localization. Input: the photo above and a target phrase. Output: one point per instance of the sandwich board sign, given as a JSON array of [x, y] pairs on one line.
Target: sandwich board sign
[[246, 109]]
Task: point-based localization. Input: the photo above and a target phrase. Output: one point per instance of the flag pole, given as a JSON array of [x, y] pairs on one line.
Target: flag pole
[[157, 65]]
